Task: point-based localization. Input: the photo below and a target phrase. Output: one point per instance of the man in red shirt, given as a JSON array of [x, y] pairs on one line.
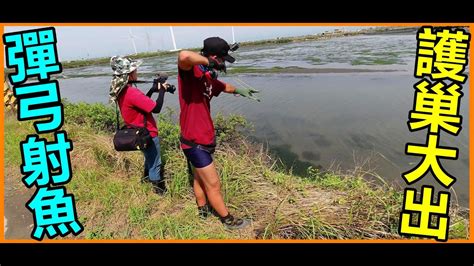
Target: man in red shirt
[[136, 109], [198, 84]]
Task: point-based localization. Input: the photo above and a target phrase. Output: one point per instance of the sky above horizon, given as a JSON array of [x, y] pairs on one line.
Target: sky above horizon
[[85, 42]]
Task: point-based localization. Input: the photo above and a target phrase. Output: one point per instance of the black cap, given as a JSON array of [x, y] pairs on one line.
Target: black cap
[[219, 47]]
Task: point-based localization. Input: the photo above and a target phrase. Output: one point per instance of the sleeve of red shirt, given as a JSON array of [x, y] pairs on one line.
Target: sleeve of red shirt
[[217, 87], [141, 101]]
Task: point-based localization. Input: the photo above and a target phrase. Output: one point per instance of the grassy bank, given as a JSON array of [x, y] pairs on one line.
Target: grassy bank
[[113, 203]]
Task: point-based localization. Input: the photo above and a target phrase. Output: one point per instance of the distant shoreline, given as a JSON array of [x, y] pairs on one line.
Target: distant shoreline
[[314, 37], [337, 33], [320, 36]]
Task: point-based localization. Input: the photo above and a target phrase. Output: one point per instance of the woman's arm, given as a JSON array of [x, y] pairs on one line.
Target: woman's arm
[[159, 100]]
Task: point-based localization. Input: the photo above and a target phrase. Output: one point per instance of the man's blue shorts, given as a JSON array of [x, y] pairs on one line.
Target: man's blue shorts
[[199, 158]]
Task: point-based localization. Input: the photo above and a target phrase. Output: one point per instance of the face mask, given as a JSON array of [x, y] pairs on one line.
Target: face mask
[[208, 73]]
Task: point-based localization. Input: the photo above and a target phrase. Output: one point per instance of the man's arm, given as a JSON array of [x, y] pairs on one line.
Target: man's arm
[[188, 59], [229, 88]]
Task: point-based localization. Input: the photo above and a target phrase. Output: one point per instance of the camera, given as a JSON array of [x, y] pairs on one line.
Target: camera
[[234, 47], [170, 88], [161, 79]]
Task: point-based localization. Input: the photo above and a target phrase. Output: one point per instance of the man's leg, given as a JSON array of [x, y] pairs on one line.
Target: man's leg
[[206, 181], [212, 188], [153, 161], [149, 158], [199, 190]]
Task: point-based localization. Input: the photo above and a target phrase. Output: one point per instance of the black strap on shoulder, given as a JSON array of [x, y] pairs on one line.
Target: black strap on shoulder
[[144, 120], [117, 115]]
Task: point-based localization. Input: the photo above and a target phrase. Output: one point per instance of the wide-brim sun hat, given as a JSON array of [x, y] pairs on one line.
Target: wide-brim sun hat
[[123, 65]]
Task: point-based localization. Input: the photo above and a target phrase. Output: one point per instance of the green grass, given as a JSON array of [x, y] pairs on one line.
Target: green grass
[[374, 61], [15, 132], [113, 203]]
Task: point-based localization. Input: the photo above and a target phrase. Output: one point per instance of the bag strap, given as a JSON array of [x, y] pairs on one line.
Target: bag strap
[[117, 114]]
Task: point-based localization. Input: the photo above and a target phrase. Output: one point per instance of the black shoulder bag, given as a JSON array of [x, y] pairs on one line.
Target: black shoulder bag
[[131, 138]]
